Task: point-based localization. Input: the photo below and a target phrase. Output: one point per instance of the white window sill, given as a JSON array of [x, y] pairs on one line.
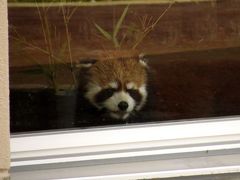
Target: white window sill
[[168, 168], [131, 152]]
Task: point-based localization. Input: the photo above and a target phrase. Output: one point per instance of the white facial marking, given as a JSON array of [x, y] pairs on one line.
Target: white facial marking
[[125, 116], [92, 90], [142, 60], [141, 56], [131, 85], [113, 84], [119, 116], [112, 103], [143, 92], [143, 63]]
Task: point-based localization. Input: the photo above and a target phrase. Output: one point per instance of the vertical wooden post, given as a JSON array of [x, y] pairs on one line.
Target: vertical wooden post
[[4, 93]]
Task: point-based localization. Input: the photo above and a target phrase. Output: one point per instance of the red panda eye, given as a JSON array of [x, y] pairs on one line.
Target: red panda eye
[[110, 90], [104, 94], [135, 94]]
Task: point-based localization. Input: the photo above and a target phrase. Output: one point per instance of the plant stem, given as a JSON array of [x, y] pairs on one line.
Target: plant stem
[[151, 27], [49, 44], [67, 35], [43, 30], [30, 45], [66, 19], [47, 38]]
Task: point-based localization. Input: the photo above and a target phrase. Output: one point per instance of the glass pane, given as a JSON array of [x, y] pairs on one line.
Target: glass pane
[[95, 63]]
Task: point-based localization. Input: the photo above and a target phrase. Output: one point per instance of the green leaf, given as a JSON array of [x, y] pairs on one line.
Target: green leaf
[[132, 28], [120, 21], [103, 32]]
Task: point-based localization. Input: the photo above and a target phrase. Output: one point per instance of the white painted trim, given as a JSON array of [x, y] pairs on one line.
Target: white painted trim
[[126, 144], [126, 134], [164, 174]]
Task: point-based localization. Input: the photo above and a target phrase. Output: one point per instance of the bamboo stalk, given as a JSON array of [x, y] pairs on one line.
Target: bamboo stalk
[[151, 27], [66, 18]]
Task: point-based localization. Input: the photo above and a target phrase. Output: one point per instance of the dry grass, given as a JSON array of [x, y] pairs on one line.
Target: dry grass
[[56, 49]]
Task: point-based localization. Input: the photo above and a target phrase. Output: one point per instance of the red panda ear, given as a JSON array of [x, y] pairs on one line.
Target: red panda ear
[[86, 63], [143, 60]]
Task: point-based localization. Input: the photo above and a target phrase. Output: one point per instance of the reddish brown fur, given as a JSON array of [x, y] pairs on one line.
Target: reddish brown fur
[[120, 70]]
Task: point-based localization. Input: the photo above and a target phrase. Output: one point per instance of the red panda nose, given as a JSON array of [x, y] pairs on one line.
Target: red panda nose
[[123, 105]]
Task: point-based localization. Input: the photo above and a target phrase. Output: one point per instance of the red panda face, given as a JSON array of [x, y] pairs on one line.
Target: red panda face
[[118, 86]]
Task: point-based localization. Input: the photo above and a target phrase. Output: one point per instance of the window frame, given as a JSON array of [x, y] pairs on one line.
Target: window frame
[[130, 143]]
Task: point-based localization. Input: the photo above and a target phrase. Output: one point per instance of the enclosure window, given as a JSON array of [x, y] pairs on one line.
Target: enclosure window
[[87, 64]]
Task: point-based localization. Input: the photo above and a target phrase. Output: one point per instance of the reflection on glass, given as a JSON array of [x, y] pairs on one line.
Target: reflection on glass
[[84, 63]]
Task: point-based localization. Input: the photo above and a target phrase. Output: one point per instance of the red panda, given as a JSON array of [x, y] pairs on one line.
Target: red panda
[[117, 86]]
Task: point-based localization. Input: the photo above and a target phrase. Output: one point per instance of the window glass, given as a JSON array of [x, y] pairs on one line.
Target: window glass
[[84, 64]]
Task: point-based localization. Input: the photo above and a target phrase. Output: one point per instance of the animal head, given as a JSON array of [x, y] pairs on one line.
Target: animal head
[[117, 85]]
